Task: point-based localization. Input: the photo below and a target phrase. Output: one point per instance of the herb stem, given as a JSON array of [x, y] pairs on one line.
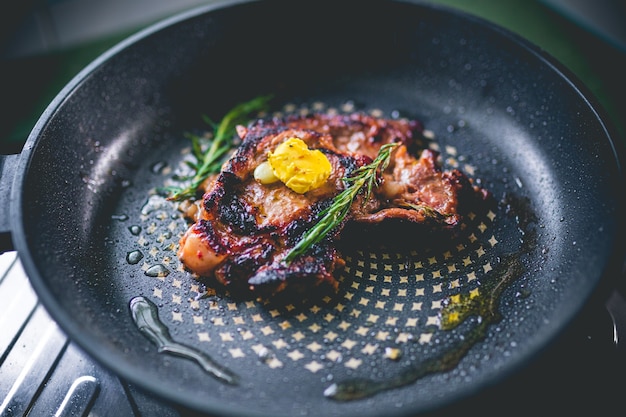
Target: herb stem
[[211, 161], [333, 215]]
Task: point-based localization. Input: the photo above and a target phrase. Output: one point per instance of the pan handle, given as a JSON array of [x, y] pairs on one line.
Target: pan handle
[[8, 167]]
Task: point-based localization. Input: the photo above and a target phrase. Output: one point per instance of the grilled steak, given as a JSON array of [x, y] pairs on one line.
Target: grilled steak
[[244, 228]]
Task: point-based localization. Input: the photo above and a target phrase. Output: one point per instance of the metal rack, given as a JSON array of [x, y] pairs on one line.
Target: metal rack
[[42, 373]]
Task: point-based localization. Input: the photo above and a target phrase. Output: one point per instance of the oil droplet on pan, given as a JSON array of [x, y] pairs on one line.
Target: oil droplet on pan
[[157, 271], [134, 257], [146, 317], [158, 167]]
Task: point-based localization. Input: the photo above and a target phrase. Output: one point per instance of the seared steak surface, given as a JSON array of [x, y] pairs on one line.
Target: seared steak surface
[[244, 228]]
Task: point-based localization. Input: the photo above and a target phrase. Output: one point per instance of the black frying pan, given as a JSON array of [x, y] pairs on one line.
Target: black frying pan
[[80, 198]]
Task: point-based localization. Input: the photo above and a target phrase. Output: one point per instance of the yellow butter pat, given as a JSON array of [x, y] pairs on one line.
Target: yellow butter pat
[[298, 167]]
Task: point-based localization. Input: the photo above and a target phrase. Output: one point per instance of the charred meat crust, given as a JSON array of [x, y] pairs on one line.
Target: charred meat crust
[[245, 228]]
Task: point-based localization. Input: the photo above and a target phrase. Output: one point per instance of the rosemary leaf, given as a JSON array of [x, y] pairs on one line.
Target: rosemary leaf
[[366, 176], [210, 162], [196, 146], [428, 211]]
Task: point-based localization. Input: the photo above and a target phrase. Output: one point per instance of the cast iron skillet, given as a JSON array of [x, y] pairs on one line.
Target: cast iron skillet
[[82, 199]]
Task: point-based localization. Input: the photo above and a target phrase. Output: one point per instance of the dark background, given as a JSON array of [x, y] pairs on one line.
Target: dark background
[[44, 43]]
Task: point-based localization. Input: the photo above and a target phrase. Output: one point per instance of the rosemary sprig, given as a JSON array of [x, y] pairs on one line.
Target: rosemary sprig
[[210, 162], [365, 176], [428, 211]]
